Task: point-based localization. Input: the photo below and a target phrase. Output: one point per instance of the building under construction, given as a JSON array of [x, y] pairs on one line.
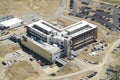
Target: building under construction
[[52, 43]]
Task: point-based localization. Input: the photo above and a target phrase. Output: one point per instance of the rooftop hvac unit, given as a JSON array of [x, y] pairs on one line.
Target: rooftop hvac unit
[[54, 33], [55, 45]]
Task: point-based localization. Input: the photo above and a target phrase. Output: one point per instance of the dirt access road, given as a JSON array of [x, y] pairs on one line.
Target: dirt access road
[[98, 68], [108, 54]]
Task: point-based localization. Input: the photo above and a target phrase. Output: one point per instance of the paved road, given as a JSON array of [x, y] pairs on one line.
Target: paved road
[[116, 16], [108, 53], [97, 67], [107, 7], [31, 17], [80, 63]]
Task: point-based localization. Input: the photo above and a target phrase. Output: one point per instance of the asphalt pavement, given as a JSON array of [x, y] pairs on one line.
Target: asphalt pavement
[[102, 15]]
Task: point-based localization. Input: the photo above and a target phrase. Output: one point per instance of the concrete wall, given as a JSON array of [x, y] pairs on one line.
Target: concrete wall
[[35, 48], [56, 56]]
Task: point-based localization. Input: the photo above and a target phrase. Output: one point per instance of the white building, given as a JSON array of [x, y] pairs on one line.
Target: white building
[[71, 38], [11, 23]]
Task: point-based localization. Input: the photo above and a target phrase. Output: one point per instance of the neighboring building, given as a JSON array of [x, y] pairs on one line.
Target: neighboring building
[[10, 23], [58, 42]]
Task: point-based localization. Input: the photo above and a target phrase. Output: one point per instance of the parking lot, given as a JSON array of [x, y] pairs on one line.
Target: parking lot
[[105, 14], [104, 18]]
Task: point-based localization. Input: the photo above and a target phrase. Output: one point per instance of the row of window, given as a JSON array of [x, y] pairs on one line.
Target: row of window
[[40, 29], [82, 37], [37, 35]]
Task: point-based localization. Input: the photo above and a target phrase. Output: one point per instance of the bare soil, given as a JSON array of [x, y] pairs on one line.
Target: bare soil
[[7, 49], [20, 71], [21, 7]]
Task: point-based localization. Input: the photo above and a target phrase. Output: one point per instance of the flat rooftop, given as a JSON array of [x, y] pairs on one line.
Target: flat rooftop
[[79, 28], [10, 22], [42, 24], [63, 24], [80, 25], [73, 30]]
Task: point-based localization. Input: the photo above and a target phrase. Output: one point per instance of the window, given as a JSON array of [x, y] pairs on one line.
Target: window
[[40, 29]]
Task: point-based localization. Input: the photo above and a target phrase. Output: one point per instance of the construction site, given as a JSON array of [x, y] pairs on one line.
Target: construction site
[[59, 40]]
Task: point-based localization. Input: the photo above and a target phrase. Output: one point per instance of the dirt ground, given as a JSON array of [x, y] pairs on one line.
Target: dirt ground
[[20, 71], [6, 47], [24, 70], [113, 60], [21, 7], [67, 69], [64, 23]]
